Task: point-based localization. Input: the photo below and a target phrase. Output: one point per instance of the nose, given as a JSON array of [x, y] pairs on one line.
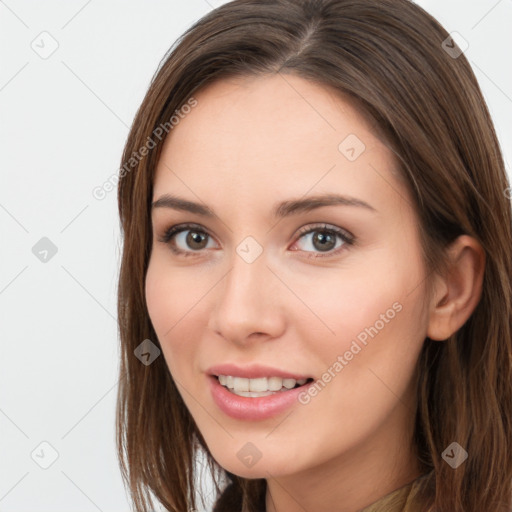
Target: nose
[[249, 303]]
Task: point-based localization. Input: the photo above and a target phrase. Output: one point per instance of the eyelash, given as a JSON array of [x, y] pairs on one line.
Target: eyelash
[[347, 238]]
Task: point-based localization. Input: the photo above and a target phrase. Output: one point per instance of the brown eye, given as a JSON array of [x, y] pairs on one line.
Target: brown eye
[[324, 239], [195, 240], [191, 239], [185, 239]]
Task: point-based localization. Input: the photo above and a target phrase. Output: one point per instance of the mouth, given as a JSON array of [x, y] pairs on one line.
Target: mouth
[[261, 386]]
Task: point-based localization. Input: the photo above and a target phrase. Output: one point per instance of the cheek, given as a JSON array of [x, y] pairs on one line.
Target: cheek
[[162, 307], [351, 300], [168, 293], [379, 337], [372, 314], [174, 308]]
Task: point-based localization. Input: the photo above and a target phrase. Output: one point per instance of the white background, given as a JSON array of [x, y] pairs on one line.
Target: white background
[[64, 121]]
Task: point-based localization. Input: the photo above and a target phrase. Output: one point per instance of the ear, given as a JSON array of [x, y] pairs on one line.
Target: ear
[[457, 293]]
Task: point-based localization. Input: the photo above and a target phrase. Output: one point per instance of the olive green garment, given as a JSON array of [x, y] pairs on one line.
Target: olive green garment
[[409, 498], [405, 499]]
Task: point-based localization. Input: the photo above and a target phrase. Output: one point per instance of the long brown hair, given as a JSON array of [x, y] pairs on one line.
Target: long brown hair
[[399, 66]]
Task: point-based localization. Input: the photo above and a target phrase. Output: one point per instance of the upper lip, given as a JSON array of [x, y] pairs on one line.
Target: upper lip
[[253, 371]]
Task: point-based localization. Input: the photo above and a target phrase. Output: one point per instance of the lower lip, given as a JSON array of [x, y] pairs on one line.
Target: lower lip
[[253, 409]]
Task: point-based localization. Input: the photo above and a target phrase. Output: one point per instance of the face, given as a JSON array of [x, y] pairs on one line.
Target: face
[[266, 287]]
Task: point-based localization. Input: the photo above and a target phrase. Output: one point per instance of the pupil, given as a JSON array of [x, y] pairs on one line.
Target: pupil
[[195, 238], [322, 238]]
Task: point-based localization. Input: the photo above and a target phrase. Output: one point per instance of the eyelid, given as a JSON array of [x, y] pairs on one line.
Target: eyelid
[[347, 237], [323, 226], [176, 229]]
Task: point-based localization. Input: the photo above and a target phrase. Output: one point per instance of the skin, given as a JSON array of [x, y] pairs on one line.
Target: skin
[[248, 144]]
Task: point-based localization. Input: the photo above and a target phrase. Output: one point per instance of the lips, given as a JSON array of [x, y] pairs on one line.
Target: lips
[[254, 405], [254, 372]]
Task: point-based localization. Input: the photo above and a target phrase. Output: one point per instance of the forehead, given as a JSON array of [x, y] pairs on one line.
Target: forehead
[[256, 138]]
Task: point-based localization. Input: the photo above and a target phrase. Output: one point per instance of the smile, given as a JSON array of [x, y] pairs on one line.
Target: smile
[[262, 386], [238, 397]]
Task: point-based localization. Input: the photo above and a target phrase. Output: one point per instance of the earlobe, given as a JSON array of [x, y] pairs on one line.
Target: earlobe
[[457, 294]]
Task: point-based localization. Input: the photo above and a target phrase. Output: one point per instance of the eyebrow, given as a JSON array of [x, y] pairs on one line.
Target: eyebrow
[[280, 210]]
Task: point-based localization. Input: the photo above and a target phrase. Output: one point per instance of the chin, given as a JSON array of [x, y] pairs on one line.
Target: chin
[[262, 468]]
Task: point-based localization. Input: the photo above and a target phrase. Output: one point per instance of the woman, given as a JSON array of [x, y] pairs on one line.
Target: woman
[[317, 240]]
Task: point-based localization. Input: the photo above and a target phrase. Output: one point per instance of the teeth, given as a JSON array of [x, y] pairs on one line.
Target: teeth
[[241, 384], [275, 383], [260, 386], [289, 383]]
